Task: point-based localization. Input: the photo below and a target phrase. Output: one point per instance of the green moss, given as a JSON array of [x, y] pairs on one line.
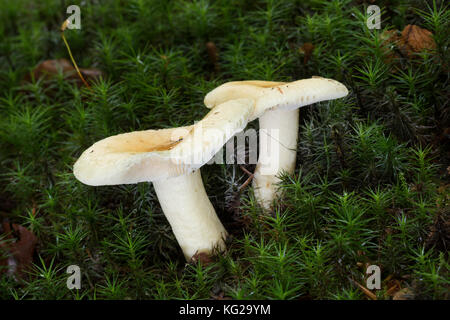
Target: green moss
[[369, 185]]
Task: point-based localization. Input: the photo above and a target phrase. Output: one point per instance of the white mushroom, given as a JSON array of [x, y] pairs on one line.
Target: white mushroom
[[277, 107], [171, 159]]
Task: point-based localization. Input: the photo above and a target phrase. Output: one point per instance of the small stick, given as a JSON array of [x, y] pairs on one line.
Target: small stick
[[246, 183], [249, 179], [366, 291], [391, 290], [245, 170]]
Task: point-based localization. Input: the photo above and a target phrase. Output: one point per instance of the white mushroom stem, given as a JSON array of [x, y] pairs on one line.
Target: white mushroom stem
[[278, 134], [190, 213], [270, 96]]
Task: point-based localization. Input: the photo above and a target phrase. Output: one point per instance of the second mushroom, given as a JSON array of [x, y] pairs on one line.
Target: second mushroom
[[277, 108]]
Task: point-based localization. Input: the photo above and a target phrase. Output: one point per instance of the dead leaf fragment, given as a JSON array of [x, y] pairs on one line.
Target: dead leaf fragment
[[411, 41], [19, 248], [49, 69], [415, 39]]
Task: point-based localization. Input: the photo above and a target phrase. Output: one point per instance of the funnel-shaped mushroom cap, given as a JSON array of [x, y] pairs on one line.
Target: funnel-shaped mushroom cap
[[278, 95], [251, 89], [152, 155]]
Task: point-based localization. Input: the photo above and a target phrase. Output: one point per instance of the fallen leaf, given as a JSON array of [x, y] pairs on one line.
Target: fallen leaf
[[415, 39], [19, 249], [411, 41], [49, 69]]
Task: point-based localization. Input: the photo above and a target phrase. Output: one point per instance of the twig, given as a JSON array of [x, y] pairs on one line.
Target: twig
[[366, 291], [245, 170], [392, 290], [249, 179]]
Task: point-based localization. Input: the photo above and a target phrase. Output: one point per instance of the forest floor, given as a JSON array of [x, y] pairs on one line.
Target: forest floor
[[371, 185]]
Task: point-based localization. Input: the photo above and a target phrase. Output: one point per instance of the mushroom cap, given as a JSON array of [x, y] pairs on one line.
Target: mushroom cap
[[152, 155], [251, 89], [270, 95]]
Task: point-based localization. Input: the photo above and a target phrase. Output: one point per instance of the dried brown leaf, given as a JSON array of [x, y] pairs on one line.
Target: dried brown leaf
[[20, 248], [50, 68], [415, 39]]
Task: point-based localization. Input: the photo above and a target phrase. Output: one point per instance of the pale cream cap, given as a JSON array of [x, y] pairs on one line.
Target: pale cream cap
[[270, 95], [152, 155]]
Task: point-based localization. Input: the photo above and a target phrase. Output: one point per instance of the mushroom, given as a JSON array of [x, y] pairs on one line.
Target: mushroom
[[171, 159], [277, 107]]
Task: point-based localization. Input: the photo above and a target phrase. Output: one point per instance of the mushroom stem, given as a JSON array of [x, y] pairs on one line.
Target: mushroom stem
[[278, 135], [190, 213]]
